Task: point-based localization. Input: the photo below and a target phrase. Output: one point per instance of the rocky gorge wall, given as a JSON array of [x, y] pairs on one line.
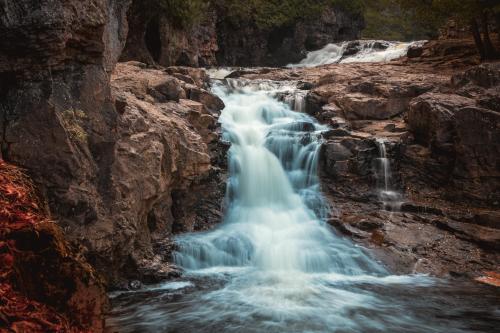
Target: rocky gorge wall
[[219, 40], [122, 159]]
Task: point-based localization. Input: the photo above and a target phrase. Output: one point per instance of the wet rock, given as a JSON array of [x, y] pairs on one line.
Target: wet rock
[[304, 85], [314, 104], [487, 237], [352, 48], [360, 106], [490, 219], [336, 132], [166, 89], [430, 117], [415, 51], [198, 75], [414, 208], [485, 76], [464, 138]]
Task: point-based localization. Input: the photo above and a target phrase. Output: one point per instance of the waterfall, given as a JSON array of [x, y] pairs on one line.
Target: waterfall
[[356, 51], [389, 197], [273, 222]]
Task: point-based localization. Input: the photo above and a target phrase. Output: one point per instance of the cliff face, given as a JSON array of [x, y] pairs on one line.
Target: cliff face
[[218, 40], [114, 160]]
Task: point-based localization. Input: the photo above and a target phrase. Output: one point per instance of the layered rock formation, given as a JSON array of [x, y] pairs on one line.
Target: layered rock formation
[[118, 164], [440, 129], [219, 40]]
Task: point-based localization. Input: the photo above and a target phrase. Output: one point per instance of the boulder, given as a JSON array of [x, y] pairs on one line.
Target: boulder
[[430, 117]]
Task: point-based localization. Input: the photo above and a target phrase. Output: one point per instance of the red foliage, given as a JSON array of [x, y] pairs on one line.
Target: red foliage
[[491, 278], [20, 209]]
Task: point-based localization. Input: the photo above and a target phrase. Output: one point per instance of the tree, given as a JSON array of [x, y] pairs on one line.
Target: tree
[[475, 13]]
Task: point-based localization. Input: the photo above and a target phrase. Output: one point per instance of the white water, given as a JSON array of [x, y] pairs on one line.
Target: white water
[[390, 198], [274, 265], [286, 270], [335, 53]]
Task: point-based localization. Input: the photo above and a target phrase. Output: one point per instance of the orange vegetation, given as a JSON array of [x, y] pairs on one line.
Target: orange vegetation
[[21, 211]]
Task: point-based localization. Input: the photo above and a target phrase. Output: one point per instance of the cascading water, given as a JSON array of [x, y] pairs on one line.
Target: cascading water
[[274, 265], [366, 51], [390, 198]]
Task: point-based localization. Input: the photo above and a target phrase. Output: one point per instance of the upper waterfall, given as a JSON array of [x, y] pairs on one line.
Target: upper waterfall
[[356, 51]]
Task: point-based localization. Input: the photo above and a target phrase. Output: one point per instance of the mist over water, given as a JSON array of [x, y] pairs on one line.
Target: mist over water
[[274, 265]]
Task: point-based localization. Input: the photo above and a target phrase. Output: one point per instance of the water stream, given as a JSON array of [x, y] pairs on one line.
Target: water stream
[[391, 198], [274, 265], [363, 51]]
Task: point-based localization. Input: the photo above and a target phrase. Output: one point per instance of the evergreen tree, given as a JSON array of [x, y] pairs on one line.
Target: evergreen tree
[[475, 13]]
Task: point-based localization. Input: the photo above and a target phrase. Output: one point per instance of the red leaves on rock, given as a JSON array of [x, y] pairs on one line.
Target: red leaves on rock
[[20, 210]]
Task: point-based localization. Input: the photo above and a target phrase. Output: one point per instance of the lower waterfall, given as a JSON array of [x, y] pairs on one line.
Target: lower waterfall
[[274, 265]]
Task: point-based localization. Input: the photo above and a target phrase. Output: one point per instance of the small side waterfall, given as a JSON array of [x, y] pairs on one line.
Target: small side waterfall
[[390, 197]]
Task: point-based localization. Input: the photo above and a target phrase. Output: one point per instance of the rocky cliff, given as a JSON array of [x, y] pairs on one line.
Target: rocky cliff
[[45, 284], [217, 39], [118, 158]]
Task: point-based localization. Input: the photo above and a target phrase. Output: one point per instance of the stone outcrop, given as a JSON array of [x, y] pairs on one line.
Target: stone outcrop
[[118, 163], [219, 40], [163, 168]]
